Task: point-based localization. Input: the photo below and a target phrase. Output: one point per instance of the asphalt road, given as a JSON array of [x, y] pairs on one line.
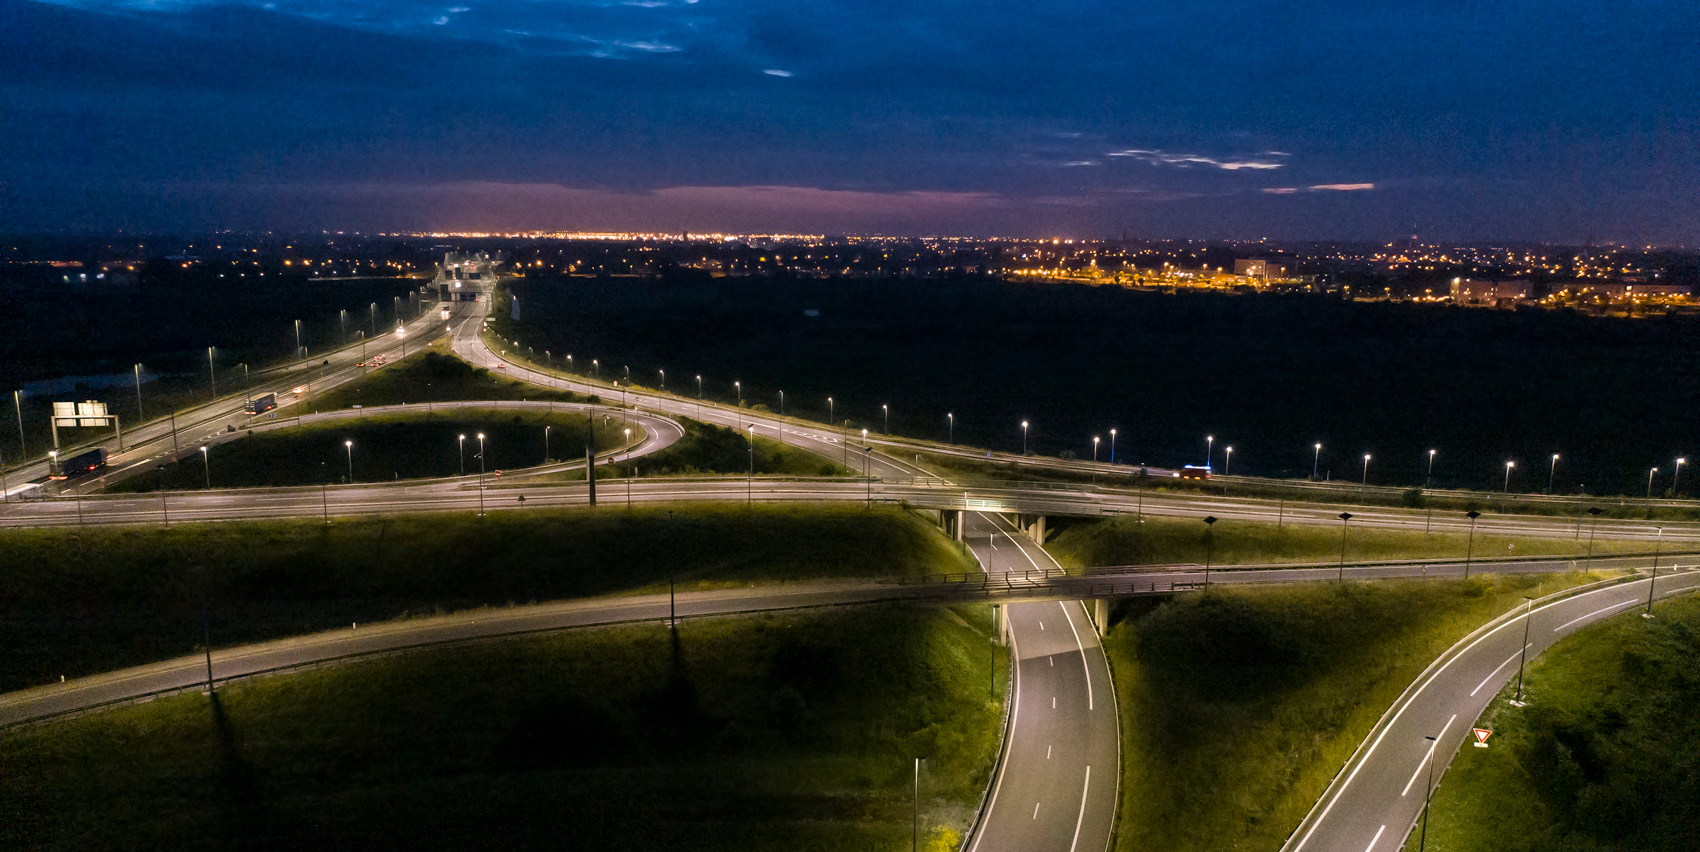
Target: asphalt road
[[1063, 725], [1378, 796]]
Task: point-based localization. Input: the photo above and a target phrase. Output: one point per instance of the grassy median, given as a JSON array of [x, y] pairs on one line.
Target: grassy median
[[1239, 705], [766, 732], [75, 603], [1605, 756], [1167, 541], [433, 375]]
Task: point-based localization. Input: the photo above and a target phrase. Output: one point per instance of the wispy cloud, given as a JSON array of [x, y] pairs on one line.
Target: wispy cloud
[[1321, 187], [1080, 163], [776, 72], [1165, 158]]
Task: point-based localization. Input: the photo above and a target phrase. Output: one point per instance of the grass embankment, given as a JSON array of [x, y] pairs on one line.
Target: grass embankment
[[1239, 705], [1605, 756], [710, 449], [1164, 541], [387, 447], [769, 732], [106, 598], [433, 376]]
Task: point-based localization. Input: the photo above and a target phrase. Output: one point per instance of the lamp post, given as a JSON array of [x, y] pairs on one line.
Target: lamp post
[[546, 444], [1655, 578], [699, 397], [1209, 448], [1112, 446], [1470, 547], [1552, 469], [480, 473], [1315, 457], [1676, 477], [750, 483], [867, 471], [662, 372], [1209, 546], [738, 417], [1506, 488], [1024, 438], [886, 409], [342, 317], [299, 352], [372, 317], [349, 445], [629, 476], [596, 369], [1428, 478], [1094, 449], [207, 465], [1345, 521], [950, 428], [1592, 528], [782, 403], [1650, 486], [1228, 462], [463, 455], [212, 378], [1365, 482], [1523, 658], [140, 415]]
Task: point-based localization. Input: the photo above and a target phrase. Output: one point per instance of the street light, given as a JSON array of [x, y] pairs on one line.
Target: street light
[[463, 455], [1094, 449], [782, 403], [1428, 792], [206, 463], [950, 421], [1228, 463], [480, 473], [1345, 521], [629, 476], [887, 410], [596, 367], [1209, 444], [1553, 469], [546, 444], [1428, 478], [1677, 477], [211, 376], [1112, 446], [750, 483], [1365, 482], [299, 352], [1655, 578], [1470, 547], [1528, 614], [1650, 485], [1024, 439], [1315, 457], [1209, 545], [663, 377], [1506, 489], [738, 418], [350, 447]]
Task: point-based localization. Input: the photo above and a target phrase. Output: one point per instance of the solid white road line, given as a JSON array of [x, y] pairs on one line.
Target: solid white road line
[[1377, 837], [1429, 755], [1594, 613], [1082, 646], [1035, 810], [1496, 671], [1009, 744], [1082, 818]]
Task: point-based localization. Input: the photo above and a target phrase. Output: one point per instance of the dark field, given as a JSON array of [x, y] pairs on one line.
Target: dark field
[[1268, 375]]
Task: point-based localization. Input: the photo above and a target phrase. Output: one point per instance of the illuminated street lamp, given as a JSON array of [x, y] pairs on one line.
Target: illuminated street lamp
[[663, 378], [1506, 489], [629, 477], [1650, 485], [1428, 478], [1228, 463], [480, 473], [887, 410], [1112, 446], [738, 418], [546, 444], [463, 455], [211, 376], [782, 403], [1366, 470], [1677, 477], [1315, 457], [1209, 444], [750, 483], [596, 367], [1552, 469], [350, 446], [1024, 438], [207, 464], [950, 425], [1094, 449]]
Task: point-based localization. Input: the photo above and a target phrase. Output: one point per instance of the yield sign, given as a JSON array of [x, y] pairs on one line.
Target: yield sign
[[1481, 737]]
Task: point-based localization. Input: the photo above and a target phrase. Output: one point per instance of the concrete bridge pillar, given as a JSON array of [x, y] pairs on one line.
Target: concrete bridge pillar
[[1101, 614], [1037, 531], [961, 520], [1000, 619]]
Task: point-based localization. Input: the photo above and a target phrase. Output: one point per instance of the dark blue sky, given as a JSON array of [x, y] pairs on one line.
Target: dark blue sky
[[1556, 120]]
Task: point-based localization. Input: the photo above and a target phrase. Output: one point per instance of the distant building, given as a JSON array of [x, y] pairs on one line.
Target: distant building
[[458, 277], [1260, 269], [1617, 291], [1469, 291]]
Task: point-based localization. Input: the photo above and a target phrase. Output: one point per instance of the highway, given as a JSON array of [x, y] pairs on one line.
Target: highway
[[1375, 800]]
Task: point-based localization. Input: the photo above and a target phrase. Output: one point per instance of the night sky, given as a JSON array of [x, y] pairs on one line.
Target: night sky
[[1555, 120]]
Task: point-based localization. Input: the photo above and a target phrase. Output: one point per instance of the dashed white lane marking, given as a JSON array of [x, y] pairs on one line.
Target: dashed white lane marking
[[1377, 837], [1496, 671], [1053, 661], [1053, 702], [1594, 613], [1047, 752], [1428, 755], [1035, 810], [1082, 818], [1041, 625]]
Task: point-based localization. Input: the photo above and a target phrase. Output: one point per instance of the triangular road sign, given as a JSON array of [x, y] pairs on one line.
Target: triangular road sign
[[1482, 735]]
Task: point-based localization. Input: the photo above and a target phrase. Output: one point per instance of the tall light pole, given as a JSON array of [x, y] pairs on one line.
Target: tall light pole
[[1506, 489], [1345, 521], [207, 464], [950, 426], [629, 476], [372, 315], [1228, 463], [1677, 476], [1650, 486], [782, 403], [545, 444], [750, 482], [1365, 482], [1209, 448], [1551, 470], [1470, 547], [211, 377], [1024, 438], [349, 445], [1209, 545], [886, 409], [299, 352], [596, 369], [140, 416], [1655, 578], [480, 473], [1528, 614], [738, 417], [1315, 457], [1112, 446], [1094, 449], [1428, 478], [662, 372], [342, 317], [463, 455]]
